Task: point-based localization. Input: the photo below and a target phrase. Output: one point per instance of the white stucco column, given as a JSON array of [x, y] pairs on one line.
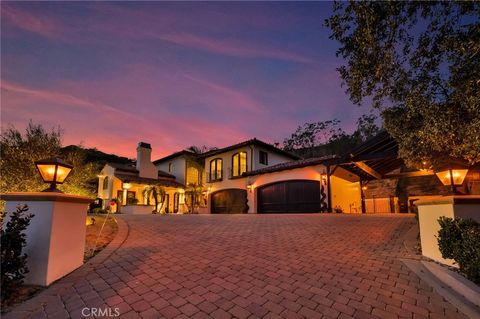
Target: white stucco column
[[430, 210], [252, 205], [124, 197], [55, 236]]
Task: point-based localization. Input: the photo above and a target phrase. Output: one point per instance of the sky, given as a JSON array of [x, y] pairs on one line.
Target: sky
[[176, 74]]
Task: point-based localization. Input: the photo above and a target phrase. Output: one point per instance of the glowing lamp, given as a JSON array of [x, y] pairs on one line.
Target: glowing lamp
[[250, 187], [54, 171], [452, 177], [126, 185]]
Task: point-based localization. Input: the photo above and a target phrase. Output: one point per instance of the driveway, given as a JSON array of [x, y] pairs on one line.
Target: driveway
[[249, 266]]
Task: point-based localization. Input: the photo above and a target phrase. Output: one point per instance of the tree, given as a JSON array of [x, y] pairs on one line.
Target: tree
[[158, 194], [200, 149], [419, 62], [313, 134], [19, 153], [325, 138], [193, 195], [366, 128]]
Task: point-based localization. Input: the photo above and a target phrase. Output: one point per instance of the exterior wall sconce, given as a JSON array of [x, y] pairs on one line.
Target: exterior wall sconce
[[364, 188], [54, 171], [126, 185], [250, 187], [452, 177], [323, 178]]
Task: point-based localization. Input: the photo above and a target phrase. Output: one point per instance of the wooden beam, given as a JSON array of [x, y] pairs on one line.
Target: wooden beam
[[364, 167], [373, 156], [410, 174]]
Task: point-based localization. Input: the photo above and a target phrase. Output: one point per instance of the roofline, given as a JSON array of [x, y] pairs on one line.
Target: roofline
[[293, 165], [173, 155], [253, 141]]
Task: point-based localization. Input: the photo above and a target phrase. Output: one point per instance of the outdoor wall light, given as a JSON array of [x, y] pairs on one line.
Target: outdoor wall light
[[364, 188], [126, 185], [54, 171], [452, 177], [323, 177], [250, 187]]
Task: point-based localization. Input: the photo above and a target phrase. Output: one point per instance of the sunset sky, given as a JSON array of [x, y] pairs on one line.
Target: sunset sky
[[112, 74]]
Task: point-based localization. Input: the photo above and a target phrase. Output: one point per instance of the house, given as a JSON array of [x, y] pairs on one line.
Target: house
[[257, 177], [131, 189]]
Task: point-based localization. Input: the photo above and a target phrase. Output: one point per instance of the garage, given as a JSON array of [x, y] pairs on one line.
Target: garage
[[229, 201], [295, 196]]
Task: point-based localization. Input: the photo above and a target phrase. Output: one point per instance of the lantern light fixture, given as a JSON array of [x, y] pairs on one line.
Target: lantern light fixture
[[126, 185], [53, 170], [452, 177]]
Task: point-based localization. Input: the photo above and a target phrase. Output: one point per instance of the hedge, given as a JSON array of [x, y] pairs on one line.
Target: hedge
[[459, 239]]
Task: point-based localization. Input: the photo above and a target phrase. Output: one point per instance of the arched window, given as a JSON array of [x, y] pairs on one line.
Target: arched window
[[105, 183], [239, 164], [216, 169], [193, 176], [170, 167]]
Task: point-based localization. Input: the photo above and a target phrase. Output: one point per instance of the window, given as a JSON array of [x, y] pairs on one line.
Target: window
[[193, 176], [239, 164], [105, 183], [170, 167], [216, 169], [263, 158]]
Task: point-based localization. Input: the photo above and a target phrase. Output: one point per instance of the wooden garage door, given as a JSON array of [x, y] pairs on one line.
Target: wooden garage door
[[230, 201], [299, 196]]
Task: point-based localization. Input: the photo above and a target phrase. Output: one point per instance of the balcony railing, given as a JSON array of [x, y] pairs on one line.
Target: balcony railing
[[232, 174], [211, 178]]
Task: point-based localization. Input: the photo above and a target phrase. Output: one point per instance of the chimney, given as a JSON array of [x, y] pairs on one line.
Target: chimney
[[145, 166]]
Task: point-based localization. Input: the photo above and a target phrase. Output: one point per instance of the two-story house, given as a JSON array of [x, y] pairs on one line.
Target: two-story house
[[257, 177]]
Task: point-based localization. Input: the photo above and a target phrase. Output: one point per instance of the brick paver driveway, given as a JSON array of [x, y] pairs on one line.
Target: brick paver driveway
[[250, 266]]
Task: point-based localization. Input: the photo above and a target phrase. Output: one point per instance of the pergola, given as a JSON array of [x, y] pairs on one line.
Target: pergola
[[373, 160]]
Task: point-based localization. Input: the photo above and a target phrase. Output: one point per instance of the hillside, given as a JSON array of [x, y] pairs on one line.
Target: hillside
[[92, 155]]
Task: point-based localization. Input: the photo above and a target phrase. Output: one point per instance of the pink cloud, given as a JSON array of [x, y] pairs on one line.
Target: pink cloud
[[229, 47], [21, 19], [100, 125]]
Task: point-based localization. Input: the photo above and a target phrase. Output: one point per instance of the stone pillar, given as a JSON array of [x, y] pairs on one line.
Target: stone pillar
[[55, 236], [430, 210]]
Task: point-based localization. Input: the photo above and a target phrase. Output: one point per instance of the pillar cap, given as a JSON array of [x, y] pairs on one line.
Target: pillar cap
[[45, 197], [453, 199]]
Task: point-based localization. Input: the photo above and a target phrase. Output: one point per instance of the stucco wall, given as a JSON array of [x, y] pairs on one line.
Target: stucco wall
[[227, 163], [273, 158], [346, 195], [178, 169]]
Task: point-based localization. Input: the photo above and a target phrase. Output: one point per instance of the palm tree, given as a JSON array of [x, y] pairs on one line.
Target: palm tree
[[158, 193], [193, 192]]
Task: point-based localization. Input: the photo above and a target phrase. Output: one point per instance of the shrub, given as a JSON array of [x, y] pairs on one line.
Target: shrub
[[459, 239], [13, 261]]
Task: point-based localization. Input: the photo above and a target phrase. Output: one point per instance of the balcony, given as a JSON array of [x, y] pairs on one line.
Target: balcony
[[211, 178], [234, 175]]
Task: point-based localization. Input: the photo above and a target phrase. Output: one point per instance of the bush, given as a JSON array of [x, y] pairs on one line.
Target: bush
[[13, 262], [459, 239]]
